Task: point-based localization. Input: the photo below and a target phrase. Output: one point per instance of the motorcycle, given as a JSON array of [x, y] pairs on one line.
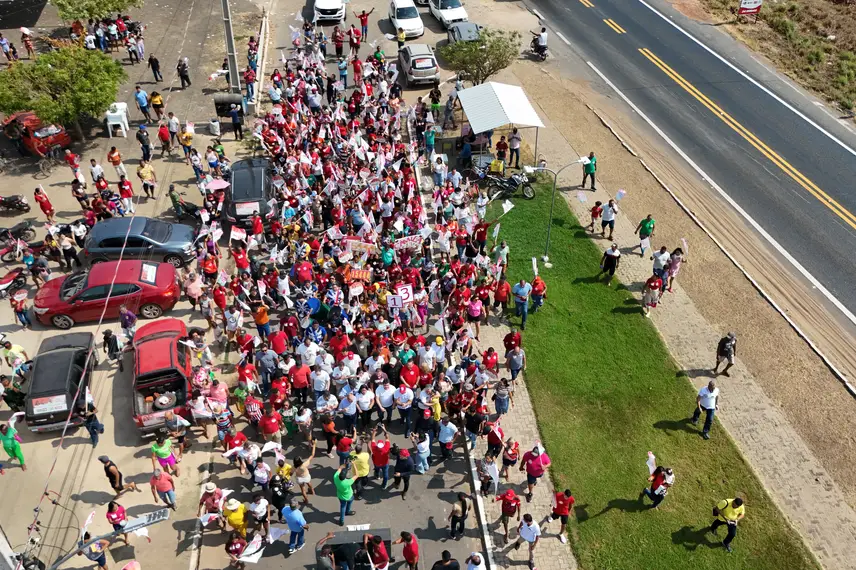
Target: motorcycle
[[537, 50], [17, 203], [499, 187], [12, 249], [190, 211], [13, 280], [23, 231]]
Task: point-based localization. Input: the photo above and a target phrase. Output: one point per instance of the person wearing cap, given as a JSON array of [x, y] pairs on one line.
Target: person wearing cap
[[510, 508], [163, 487], [380, 455], [403, 470], [96, 552], [236, 514], [726, 350], [145, 142], [447, 436], [535, 463], [209, 502]]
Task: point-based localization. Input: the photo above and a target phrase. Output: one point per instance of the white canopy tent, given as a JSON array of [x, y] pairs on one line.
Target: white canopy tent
[[492, 105]]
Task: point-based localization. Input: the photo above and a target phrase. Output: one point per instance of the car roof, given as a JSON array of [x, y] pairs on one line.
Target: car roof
[[403, 3], [465, 30], [420, 49], [118, 226], [125, 271], [154, 343], [52, 366], [248, 180]]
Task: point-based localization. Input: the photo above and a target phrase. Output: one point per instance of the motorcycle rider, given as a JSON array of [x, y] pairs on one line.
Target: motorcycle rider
[[540, 41]]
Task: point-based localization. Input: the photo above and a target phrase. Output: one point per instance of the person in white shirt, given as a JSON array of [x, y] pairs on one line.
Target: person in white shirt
[[455, 374], [352, 361], [307, 352], [95, 170], [375, 362], [475, 561], [173, 125], [260, 507], [661, 261], [286, 363], [325, 360], [326, 403], [514, 148], [608, 218], [320, 381], [528, 531], [404, 402], [427, 358], [707, 401], [384, 396]]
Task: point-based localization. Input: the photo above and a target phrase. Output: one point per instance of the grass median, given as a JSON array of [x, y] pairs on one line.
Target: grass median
[[606, 391]]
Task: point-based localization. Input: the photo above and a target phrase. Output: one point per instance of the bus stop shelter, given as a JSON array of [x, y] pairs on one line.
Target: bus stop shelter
[[492, 105]]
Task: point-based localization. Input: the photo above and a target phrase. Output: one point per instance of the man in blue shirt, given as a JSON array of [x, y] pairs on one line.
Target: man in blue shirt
[[143, 102], [267, 363], [235, 113], [448, 434], [296, 524], [521, 293]]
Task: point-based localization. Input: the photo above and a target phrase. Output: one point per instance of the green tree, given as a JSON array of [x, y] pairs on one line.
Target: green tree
[[85, 9], [479, 60], [62, 86]]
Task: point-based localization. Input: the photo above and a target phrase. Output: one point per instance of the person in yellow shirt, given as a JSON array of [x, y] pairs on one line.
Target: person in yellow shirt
[[185, 139], [284, 470], [728, 512], [235, 513], [401, 37], [360, 458]]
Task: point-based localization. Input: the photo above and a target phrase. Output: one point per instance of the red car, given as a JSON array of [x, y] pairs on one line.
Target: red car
[[146, 288], [162, 373]]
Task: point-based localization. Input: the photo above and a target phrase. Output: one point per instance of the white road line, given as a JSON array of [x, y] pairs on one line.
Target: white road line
[[787, 105], [778, 247], [537, 13], [563, 38]]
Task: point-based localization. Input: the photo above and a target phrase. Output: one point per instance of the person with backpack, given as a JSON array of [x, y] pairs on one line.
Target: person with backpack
[[728, 512]]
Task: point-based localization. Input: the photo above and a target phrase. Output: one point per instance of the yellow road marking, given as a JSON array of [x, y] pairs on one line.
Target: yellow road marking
[[759, 145], [586, 3], [618, 29]]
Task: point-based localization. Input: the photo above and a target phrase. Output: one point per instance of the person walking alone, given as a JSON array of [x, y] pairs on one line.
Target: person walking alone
[[728, 512], [726, 350], [237, 127], [183, 70], [529, 532], [707, 400], [562, 503], [645, 229], [589, 170], [661, 480], [154, 65]]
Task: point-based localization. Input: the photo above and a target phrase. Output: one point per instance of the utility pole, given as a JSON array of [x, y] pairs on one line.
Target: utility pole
[[231, 52]]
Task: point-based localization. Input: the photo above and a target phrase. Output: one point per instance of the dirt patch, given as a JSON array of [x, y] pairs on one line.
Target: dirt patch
[[692, 9], [812, 41]]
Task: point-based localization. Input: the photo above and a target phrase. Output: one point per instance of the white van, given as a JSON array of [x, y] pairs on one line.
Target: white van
[[403, 14]]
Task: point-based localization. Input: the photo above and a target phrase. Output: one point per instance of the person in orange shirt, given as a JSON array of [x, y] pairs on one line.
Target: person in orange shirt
[[262, 318], [539, 293], [209, 267], [500, 296]]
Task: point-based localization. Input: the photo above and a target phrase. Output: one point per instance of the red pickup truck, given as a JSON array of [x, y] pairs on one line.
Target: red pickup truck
[[162, 373]]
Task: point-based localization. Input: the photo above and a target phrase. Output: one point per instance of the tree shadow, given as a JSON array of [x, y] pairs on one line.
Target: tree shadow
[[691, 538], [623, 505], [695, 373], [675, 425]]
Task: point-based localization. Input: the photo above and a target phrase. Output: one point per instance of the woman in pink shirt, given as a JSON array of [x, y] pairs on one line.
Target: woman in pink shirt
[[474, 314], [116, 516]]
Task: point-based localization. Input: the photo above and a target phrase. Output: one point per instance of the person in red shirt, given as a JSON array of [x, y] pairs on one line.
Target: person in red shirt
[[343, 445], [299, 378], [258, 227], [411, 549], [491, 360], [377, 551], [278, 341], [480, 234], [651, 293], [233, 440], [512, 340], [562, 503], [45, 204], [242, 261], [510, 508], [380, 455], [410, 375], [126, 193], [235, 546], [339, 344], [500, 297], [270, 426], [277, 397], [304, 272], [358, 69]]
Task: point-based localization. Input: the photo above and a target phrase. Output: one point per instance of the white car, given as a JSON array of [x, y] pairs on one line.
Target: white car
[[448, 12], [330, 10], [403, 14]]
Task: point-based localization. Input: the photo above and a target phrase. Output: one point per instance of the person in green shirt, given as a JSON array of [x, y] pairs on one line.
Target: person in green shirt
[[344, 480], [589, 170], [163, 455], [406, 354], [218, 148], [13, 395], [240, 393], [645, 229], [177, 201], [10, 444]]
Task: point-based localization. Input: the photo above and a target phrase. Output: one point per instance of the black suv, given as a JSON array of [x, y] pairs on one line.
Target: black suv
[[249, 193], [146, 239]]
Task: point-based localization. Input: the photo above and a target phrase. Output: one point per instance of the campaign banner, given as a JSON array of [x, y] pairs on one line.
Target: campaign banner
[[408, 242], [749, 7]]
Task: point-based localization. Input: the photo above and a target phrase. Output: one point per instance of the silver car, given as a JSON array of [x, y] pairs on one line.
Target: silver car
[[418, 64], [146, 238]]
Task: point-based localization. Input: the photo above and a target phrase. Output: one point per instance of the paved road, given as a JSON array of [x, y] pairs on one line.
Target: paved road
[[790, 177]]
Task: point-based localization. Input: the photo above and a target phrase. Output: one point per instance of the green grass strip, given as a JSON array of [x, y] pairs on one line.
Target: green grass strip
[[606, 391]]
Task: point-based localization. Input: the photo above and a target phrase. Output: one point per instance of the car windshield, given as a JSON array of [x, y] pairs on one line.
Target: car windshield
[[73, 284], [449, 4], [247, 184], [157, 231], [408, 13]]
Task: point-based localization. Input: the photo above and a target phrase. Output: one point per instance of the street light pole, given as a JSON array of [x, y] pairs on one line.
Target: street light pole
[[545, 258], [231, 50]]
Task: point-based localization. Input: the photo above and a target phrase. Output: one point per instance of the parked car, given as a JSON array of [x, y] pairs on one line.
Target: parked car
[[250, 191], [331, 10], [162, 373], [147, 238], [448, 12], [147, 288], [403, 14], [58, 381], [463, 32], [30, 135], [418, 64]]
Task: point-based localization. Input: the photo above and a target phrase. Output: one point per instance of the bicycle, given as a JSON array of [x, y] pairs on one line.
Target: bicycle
[[50, 161]]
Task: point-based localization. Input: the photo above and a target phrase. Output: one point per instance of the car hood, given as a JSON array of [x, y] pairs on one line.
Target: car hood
[[48, 294], [328, 4], [454, 13], [411, 24]]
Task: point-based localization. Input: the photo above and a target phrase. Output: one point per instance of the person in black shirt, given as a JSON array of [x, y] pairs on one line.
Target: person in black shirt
[[154, 64], [235, 113], [446, 562], [403, 469]]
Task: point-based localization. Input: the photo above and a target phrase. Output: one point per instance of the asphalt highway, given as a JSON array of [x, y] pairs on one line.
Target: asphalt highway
[[795, 181]]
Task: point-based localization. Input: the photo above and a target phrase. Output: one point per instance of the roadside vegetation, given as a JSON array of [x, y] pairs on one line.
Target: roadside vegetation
[[813, 41], [606, 391]]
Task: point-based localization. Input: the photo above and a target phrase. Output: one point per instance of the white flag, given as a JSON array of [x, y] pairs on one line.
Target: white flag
[[507, 206]]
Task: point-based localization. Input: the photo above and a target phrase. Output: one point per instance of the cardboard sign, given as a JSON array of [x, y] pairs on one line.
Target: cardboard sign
[[239, 234], [406, 292], [394, 301], [361, 275], [408, 242]]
